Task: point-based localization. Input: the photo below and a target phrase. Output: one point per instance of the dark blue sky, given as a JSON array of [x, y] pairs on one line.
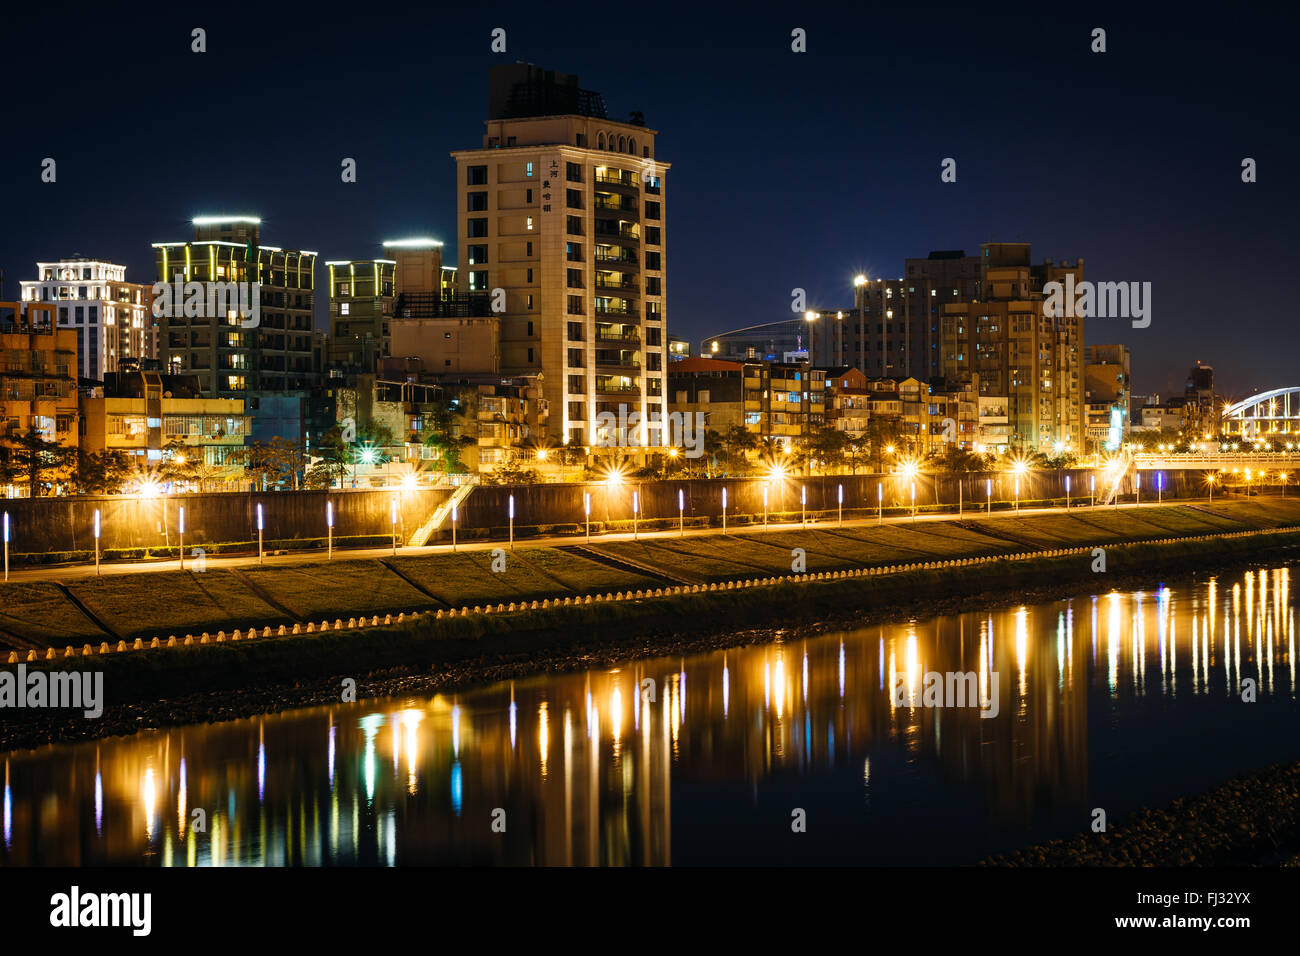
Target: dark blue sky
[[787, 169]]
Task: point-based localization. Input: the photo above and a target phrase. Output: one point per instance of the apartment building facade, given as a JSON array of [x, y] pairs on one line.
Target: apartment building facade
[[1018, 351], [112, 318], [362, 293], [564, 210], [230, 352], [141, 413], [38, 375]]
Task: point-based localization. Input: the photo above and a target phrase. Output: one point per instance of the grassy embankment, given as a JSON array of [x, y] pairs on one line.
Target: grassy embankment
[[164, 603]]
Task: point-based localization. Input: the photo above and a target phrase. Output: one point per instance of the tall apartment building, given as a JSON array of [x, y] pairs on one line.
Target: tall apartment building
[[362, 293], [228, 352], [1033, 359], [563, 209], [112, 318], [1107, 388], [892, 330], [38, 375]]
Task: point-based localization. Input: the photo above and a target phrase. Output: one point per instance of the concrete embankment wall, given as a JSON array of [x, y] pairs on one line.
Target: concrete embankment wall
[[47, 525], [67, 524]]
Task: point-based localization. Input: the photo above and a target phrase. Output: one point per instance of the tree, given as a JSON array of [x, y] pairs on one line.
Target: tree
[[828, 445], [443, 433], [102, 473], [954, 460], [512, 472], [857, 455], [279, 461], [882, 434], [332, 451], [737, 441], [37, 458]]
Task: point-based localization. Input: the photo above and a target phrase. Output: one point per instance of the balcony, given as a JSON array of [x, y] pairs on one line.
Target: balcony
[[617, 230], [618, 334], [625, 282], [617, 255], [617, 177]]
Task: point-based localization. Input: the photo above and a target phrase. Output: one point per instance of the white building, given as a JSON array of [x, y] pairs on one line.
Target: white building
[[113, 318]]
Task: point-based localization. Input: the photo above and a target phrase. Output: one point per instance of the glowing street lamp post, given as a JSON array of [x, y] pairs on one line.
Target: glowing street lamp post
[[453, 526], [839, 496], [803, 506], [6, 536], [681, 512], [512, 522], [1067, 492], [913, 502], [259, 533], [1137, 485], [724, 510], [880, 503], [636, 507], [1160, 487], [182, 533], [765, 506], [586, 510], [96, 541], [1092, 490], [329, 531], [988, 495]]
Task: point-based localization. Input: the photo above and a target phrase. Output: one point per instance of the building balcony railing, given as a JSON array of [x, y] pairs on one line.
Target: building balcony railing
[[616, 310], [617, 177], [628, 260], [603, 283]]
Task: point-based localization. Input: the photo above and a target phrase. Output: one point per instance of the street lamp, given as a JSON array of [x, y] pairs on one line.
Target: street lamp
[[329, 530], [97, 541], [859, 283], [182, 533], [681, 512], [839, 494], [586, 510], [724, 510], [453, 526], [765, 489], [803, 506], [511, 508], [393, 517], [6, 537], [259, 533], [636, 507]]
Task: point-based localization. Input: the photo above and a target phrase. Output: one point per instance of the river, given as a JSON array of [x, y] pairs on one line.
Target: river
[[796, 751]]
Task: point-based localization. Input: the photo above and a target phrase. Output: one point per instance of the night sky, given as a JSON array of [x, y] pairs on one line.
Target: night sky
[[787, 169]]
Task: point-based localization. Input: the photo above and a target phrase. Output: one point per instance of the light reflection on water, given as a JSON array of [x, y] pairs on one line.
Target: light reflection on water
[[1114, 701]]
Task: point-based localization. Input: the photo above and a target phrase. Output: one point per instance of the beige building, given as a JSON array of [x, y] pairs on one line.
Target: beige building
[[140, 413], [38, 377], [1034, 360], [113, 318], [449, 345], [563, 209]]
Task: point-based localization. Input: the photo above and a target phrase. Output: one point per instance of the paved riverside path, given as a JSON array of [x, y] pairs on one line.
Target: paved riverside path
[[72, 572]]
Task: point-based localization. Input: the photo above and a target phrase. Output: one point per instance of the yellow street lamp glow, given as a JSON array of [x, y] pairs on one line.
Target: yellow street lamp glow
[[541, 454], [776, 473], [859, 280], [672, 452]]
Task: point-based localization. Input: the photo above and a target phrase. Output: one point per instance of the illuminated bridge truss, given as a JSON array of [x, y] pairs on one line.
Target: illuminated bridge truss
[[1272, 417]]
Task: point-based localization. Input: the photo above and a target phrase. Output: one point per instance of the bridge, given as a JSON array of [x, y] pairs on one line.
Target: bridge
[[1256, 461]]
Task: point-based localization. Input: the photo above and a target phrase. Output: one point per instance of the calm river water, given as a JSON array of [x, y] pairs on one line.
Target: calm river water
[[1114, 701]]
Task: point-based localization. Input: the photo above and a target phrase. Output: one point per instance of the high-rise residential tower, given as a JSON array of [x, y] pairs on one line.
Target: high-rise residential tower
[[562, 209], [233, 353], [1006, 338], [112, 317]]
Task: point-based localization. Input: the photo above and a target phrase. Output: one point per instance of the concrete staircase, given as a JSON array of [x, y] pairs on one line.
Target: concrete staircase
[[420, 537]]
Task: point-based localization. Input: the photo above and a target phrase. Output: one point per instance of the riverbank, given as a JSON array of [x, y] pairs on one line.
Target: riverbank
[[1252, 820], [222, 681]]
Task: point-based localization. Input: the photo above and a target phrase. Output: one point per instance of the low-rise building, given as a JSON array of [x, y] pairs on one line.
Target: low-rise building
[[142, 413], [38, 377]]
